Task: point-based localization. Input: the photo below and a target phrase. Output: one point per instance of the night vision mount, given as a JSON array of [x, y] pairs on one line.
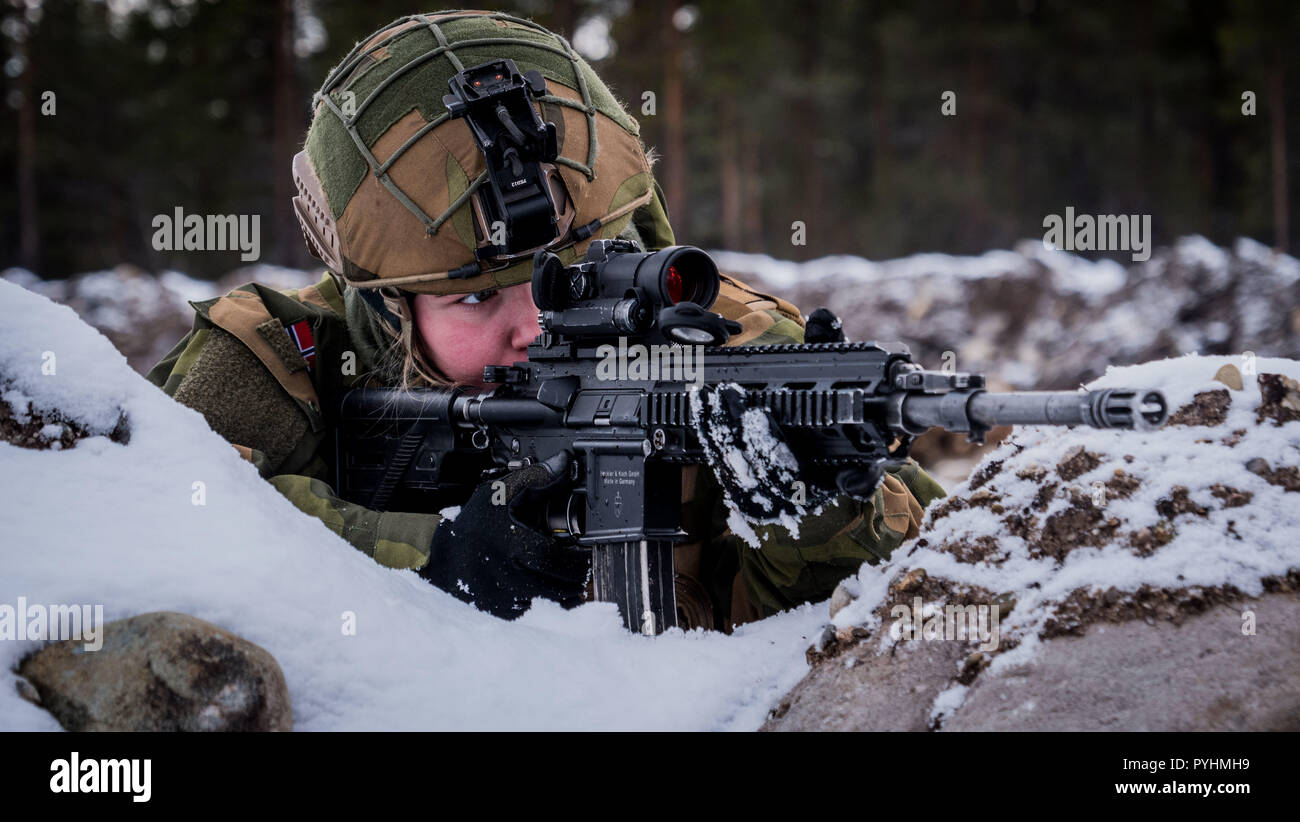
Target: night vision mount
[[496, 101]]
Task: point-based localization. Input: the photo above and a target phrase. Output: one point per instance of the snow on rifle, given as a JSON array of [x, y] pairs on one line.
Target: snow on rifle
[[785, 428]]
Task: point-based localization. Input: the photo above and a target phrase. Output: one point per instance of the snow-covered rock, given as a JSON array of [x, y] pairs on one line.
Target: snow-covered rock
[[165, 516], [1154, 572]]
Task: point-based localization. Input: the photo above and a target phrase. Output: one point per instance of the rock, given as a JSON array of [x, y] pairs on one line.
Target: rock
[[1280, 399], [1137, 677], [878, 693], [1006, 603], [1229, 376], [972, 667], [851, 634], [161, 671], [1287, 476], [825, 639], [1131, 677], [840, 597], [911, 581], [27, 691]]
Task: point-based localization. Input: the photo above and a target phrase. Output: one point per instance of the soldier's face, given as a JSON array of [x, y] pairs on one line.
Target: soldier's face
[[465, 332]]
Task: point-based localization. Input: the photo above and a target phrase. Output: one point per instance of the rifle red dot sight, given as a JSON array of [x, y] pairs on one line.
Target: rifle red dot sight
[[618, 290]]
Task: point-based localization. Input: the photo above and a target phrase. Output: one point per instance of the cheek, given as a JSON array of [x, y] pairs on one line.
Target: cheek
[[460, 345], [453, 345]]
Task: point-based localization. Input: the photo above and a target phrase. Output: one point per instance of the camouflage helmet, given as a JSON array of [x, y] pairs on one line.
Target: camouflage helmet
[[388, 182]]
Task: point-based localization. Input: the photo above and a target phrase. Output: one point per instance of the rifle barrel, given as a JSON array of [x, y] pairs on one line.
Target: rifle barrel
[[1104, 408]]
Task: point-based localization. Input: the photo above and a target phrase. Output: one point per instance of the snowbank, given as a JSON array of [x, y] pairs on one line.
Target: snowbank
[[104, 523], [1063, 524]]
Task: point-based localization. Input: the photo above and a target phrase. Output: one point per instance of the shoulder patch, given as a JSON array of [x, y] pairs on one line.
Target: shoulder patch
[[240, 400], [283, 344], [243, 315]]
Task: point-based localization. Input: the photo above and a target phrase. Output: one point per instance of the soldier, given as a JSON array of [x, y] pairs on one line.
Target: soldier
[[420, 291]]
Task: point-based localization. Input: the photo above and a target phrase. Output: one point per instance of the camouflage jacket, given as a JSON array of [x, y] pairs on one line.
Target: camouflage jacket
[[265, 368]]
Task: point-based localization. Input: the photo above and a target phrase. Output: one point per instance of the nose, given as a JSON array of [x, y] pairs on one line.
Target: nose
[[521, 316]]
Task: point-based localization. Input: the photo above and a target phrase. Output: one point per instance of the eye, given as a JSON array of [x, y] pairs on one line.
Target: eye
[[476, 298]]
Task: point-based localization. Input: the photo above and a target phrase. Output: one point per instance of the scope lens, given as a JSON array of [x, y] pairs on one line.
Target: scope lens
[[674, 283], [689, 276]]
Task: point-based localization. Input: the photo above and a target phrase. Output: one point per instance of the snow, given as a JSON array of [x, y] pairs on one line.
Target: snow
[[1203, 551], [1200, 251], [760, 460], [947, 702], [110, 298], [1286, 267], [272, 276], [1093, 280], [186, 288], [1072, 273], [116, 525], [21, 276], [740, 527]]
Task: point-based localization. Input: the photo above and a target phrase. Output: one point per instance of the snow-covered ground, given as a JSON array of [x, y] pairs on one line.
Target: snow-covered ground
[[1188, 509], [108, 524]]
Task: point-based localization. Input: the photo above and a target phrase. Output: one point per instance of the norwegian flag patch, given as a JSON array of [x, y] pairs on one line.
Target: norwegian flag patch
[[300, 333]]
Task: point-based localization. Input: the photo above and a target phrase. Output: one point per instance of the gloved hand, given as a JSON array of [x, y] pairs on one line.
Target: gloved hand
[[823, 327], [488, 557], [754, 464], [859, 483]]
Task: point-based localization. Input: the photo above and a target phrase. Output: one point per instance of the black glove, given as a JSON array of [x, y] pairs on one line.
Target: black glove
[[748, 455], [489, 557], [860, 483], [823, 327], [754, 465]]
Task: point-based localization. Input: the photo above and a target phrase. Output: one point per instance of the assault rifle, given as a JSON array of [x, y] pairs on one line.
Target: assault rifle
[[616, 438]]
